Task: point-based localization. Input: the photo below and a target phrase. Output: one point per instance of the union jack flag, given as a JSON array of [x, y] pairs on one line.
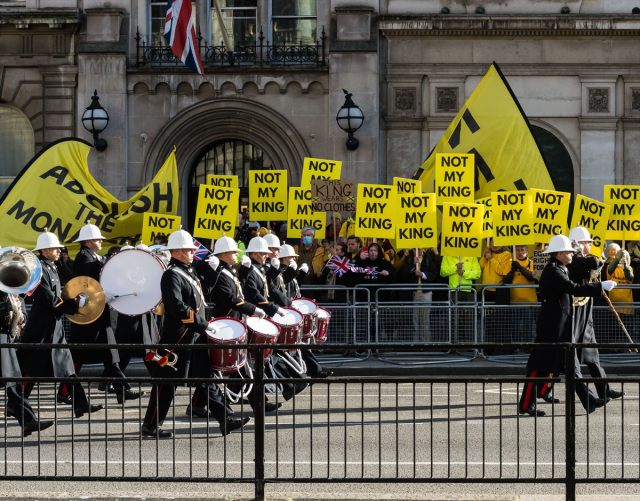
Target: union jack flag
[[180, 34], [339, 265], [369, 270], [201, 251]]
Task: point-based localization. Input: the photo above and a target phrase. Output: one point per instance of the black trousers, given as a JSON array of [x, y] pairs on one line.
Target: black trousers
[[78, 396], [210, 395], [313, 366], [14, 396], [110, 370], [585, 395], [596, 370]]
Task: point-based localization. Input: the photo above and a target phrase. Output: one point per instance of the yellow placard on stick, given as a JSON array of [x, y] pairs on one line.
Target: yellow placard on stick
[[454, 178], [624, 220], [376, 211], [512, 218], [550, 213], [593, 216], [416, 221], [487, 217], [318, 168], [268, 195], [223, 181], [156, 224], [406, 186], [217, 212], [461, 230], [301, 214]]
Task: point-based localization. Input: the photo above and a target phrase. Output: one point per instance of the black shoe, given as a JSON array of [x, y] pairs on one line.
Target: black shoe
[[532, 411], [129, 395], [63, 399], [548, 397], [324, 374], [155, 432], [288, 395], [103, 387], [269, 407], [231, 424], [197, 411], [615, 394], [301, 387], [29, 428], [81, 411]]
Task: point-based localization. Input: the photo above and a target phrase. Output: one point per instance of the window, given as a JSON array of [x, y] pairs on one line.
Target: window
[[16, 144], [294, 22], [158, 18], [239, 18]]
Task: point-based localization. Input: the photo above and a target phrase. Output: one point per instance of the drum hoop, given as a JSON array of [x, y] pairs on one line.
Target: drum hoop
[[286, 308], [271, 322], [235, 320], [314, 312]]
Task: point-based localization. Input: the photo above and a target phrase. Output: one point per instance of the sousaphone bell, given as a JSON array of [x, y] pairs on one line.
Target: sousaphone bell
[[94, 304], [20, 270]]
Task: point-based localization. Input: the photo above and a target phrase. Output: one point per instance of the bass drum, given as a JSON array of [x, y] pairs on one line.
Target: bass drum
[[133, 271]]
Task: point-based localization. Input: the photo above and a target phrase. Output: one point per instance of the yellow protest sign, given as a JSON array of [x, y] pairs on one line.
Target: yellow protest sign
[[624, 220], [416, 221], [376, 211], [487, 217], [405, 186], [217, 212], [268, 195], [454, 178], [512, 218], [156, 224], [301, 214], [550, 213], [223, 181], [56, 191], [593, 216], [318, 168], [461, 230]]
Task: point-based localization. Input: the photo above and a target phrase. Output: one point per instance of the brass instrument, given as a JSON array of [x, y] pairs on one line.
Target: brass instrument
[[95, 301]]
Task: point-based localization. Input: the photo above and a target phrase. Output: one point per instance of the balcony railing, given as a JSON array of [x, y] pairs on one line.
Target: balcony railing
[[259, 54]]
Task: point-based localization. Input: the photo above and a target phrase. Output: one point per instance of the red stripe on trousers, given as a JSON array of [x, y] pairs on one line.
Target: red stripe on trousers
[[24, 385], [155, 410], [527, 394]]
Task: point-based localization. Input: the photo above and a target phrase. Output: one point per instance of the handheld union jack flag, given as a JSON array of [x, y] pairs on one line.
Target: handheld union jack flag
[[180, 34], [339, 265], [201, 251]]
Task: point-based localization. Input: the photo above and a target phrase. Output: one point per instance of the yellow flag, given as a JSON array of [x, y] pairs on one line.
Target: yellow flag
[[56, 191], [593, 216], [493, 127]]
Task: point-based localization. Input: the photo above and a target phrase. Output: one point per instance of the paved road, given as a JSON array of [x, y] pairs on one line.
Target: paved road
[[340, 431]]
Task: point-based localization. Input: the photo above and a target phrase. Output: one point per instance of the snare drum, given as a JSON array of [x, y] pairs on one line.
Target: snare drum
[[290, 327], [309, 311], [262, 331], [230, 331], [324, 316]]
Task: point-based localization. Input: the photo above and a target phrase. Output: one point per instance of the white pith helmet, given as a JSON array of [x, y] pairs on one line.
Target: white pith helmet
[[89, 232], [142, 247], [126, 247], [47, 240], [225, 244], [287, 251], [580, 234], [258, 244], [559, 243], [181, 240], [272, 240]]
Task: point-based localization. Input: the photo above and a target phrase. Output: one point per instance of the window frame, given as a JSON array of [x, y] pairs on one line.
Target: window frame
[[212, 13], [272, 17], [151, 18]]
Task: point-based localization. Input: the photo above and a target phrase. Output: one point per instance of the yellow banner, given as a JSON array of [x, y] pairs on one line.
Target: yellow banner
[[406, 186], [550, 213], [376, 211], [487, 216], [512, 218], [416, 221], [216, 213], [301, 215], [158, 224], [461, 230], [454, 178], [592, 215], [56, 191], [318, 168], [268, 195], [624, 220]]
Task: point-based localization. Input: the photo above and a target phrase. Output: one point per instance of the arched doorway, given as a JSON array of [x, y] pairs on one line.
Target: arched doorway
[[557, 158], [229, 157]]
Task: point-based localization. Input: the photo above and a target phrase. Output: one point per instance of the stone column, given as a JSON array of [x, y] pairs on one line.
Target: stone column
[[59, 86]]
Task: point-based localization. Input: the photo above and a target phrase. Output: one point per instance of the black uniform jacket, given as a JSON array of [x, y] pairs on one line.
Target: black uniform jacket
[[580, 273], [88, 264], [255, 289], [45, 326], [555, 323], [9, 366], [276, 286], [292, 280], [139, 329], [227, 295]]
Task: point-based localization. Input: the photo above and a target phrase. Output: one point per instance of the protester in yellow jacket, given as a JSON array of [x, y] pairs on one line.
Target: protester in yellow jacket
[[470, 271], [495, 264], [348, 228], [619, 270], [521, 273]]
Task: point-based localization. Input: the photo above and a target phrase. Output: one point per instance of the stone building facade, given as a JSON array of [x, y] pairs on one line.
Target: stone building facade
[[410, 65]]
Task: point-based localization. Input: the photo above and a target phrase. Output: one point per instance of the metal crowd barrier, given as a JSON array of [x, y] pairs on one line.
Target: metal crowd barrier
[[392, 430]]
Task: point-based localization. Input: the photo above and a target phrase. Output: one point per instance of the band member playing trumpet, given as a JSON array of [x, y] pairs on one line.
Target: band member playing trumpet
[[184, 323]]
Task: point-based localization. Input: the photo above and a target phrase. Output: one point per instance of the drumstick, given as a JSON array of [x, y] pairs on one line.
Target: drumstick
[[619, 320], [124, 295]]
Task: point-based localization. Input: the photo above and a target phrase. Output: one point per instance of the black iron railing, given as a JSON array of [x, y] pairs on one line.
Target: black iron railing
[[259, 54]]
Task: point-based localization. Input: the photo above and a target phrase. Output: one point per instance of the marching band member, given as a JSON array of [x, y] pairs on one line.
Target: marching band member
[[184, 323], [45, 326]]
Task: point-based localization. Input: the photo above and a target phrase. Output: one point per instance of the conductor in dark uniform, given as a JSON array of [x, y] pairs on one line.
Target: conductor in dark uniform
[[45, 327], [184, 323], [556, 325]]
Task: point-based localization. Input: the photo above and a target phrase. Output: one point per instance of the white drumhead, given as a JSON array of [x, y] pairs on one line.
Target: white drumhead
[[322, 313], [133, 270], [228, 329], [291, 317], [262, 326], [305, 306]]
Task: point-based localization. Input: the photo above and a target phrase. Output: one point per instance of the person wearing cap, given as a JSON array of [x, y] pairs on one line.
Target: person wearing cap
[[45, 327], [555, 325], [348, 228], [89, 264], [185, 323], [584, 269]]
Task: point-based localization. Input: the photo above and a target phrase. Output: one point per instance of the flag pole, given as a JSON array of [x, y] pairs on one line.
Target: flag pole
[[223, 28]]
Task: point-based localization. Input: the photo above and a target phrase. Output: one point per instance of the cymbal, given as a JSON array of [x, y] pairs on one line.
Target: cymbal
[[95, 303]]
